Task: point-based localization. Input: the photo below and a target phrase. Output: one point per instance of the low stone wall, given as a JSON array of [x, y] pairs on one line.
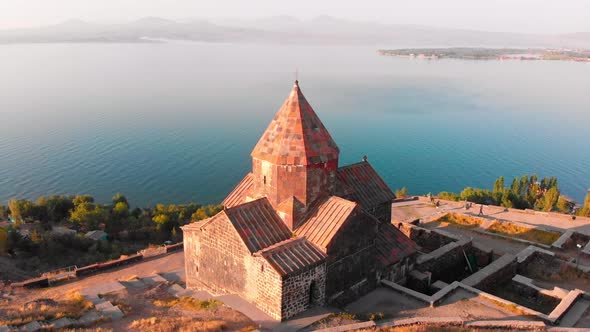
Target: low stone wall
[[570, 239], [500, 270], [534, 258], [483, 254], [526, 287], [44, 281], [446, 262], [429, 240]]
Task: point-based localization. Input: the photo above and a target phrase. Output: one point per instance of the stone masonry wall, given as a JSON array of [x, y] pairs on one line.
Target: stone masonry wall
[[304, 182], [304, 290], [351, 265], [191, 257], [429, 240], [498, 272], [446, 263], [267, 293], [397, 272], [215, 257]]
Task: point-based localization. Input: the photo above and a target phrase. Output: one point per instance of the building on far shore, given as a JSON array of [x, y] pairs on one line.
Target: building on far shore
[[299, 230]]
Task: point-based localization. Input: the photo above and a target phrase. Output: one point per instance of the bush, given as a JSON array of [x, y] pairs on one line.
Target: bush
[[188, 303]]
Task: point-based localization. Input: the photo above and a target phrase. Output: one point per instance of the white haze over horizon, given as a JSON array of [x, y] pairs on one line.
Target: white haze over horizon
[[526, 16]]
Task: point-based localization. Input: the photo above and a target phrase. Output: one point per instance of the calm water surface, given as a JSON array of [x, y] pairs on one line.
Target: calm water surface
[[175, 122]]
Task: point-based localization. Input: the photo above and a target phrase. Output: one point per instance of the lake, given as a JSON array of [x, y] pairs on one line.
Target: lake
[[176, 122]]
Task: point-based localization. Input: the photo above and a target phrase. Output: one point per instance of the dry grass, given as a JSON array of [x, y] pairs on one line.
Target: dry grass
[[342, 318], [188, 303], [73, 306], [95, 329], [181, 324], [460, 220], [529, 234]]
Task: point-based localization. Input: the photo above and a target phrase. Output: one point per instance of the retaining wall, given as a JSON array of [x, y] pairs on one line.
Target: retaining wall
[[445, 263], [428, 239], [499, 271]]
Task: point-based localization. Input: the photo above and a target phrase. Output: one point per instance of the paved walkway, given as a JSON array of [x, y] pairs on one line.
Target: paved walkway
[[422, 209], [546, 220], [304, 319]]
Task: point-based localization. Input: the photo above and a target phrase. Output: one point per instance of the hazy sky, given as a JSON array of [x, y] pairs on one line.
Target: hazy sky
[[552, 16]]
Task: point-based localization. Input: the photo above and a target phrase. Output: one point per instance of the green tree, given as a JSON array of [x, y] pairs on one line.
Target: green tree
[[499, 185], [564, 205], [120, 198], [58, 207], [509, 199], [162, 220], [585, 210], [206, 212], [478, 196], [121, 210], [524, 186], [22, 210], [515, 187], [550, 199], [403, 192], [3, 241], [88, 216], [82, 199], [449, 196]]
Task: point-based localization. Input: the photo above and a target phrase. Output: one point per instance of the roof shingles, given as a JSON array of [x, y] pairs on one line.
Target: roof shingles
[[240, 192], [393, 245], [325, 220], [292, 256], [296, 135], [360, 183], [258, 224]]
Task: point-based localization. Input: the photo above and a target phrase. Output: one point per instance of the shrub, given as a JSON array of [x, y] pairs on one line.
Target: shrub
[[188, 303]]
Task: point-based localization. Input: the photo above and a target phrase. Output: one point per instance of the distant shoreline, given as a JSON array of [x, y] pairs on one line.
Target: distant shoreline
[[469, 53]]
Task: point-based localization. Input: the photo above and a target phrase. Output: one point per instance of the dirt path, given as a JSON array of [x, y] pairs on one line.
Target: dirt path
[[168, 263]]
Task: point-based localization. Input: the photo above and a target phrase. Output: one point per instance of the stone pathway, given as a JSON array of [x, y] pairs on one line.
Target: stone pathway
[[304, 319], [575, 313], [237, 303]]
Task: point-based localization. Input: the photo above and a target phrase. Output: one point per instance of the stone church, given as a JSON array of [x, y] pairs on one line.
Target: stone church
[[299, 230]]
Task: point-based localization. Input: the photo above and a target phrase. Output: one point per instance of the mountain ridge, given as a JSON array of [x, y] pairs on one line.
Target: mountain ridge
[[287, 30]]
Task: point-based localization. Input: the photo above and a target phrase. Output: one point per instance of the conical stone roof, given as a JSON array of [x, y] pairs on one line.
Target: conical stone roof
[[296, 136]]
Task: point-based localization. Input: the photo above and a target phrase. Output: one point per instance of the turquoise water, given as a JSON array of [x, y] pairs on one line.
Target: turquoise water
[[176, 122]]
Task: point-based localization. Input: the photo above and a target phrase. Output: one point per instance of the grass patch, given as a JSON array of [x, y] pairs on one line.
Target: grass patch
[[73, 306], [336, 319], [460, 220], [529, 234], [188, 303]]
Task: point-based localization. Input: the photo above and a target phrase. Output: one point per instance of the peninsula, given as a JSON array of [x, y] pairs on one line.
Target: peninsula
[[471, 53]]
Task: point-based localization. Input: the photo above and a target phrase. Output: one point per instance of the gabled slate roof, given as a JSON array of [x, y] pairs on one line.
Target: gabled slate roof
[[360, 183], [293, 255], [240, 192], [392, 245], [325, 220], [258, 224], [296, 136]]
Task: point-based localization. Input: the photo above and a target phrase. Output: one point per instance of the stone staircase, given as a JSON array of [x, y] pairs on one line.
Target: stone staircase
[[573, 315]]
